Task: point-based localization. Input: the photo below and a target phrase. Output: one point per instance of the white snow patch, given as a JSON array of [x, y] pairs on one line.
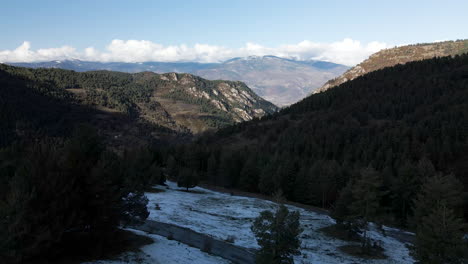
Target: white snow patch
[[221, 215]]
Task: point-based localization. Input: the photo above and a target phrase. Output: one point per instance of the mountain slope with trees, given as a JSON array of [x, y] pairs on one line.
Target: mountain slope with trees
[[178, 102], [399, 55], [395, 127], [278, 80]]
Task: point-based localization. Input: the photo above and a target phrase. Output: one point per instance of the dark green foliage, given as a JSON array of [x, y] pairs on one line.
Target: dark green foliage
[[436, 190], [36, 103], [59, 193], [366, 204], [133, 208], [171, 167], [266, 183], [367, 193], [212, 168], [439, 237], [133, 95], [249, 175], [278, 236], [408, 122], [438, 220], [358, 204], [187, 178], [343, 215], [141, 167]]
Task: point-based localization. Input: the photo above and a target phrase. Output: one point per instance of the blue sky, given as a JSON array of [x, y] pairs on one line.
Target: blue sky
[[228, 24]]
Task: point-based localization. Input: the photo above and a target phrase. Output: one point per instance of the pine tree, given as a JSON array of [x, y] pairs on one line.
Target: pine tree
[[266, 182], [439, 237], [365, 207], [366, 194], [278, 236], [285, 176], [302, 187], [249, 174], [404, 188], [187, 178], [346, 221], [171, 166], [436, 190], [212, 169], [438, 220]]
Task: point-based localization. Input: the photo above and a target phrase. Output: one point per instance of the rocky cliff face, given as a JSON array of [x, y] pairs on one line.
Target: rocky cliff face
[[399, 55], [189, 99]]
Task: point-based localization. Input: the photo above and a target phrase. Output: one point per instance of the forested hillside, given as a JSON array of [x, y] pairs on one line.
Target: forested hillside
[[33, 108], [392, 129], [181, 103], [399, 55]]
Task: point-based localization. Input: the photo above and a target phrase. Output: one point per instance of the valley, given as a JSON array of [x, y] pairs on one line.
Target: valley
[[234, 132]]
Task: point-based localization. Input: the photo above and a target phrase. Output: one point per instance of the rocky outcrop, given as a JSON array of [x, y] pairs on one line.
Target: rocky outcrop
[[234, 100]]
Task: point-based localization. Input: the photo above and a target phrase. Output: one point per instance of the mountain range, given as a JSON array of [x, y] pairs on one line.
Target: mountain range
[[279, 80]]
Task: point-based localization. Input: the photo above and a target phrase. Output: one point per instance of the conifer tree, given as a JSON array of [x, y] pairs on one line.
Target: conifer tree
[[439, 237], [171, 166], [249, 174], [212, 169], [187, 178], [302, 187], [365, 207], [266, 182], [436, 190], [278, 236], [341, 210], [366, 194], [438, 221], [404, 188]]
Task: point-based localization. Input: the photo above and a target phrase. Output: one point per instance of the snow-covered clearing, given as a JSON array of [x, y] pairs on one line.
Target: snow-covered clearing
[[222, 215]]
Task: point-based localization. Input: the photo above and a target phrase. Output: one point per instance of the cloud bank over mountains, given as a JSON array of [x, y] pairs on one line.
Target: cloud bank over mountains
[[348, 52]]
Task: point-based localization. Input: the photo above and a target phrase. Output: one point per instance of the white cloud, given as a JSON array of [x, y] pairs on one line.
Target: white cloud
[[347, 51], [24, 54]]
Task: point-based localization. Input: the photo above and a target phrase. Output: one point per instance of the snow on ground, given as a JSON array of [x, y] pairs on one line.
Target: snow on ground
[[222, 215], [164, 251]]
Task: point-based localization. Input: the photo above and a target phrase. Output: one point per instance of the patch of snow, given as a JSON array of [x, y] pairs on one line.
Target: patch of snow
[[221, 215]]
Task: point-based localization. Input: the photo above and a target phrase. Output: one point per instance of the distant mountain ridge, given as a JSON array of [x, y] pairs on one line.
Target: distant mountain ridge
[[399, 55], [279, 80]]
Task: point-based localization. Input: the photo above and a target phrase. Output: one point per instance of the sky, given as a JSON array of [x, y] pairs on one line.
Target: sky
[[214, 30]]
